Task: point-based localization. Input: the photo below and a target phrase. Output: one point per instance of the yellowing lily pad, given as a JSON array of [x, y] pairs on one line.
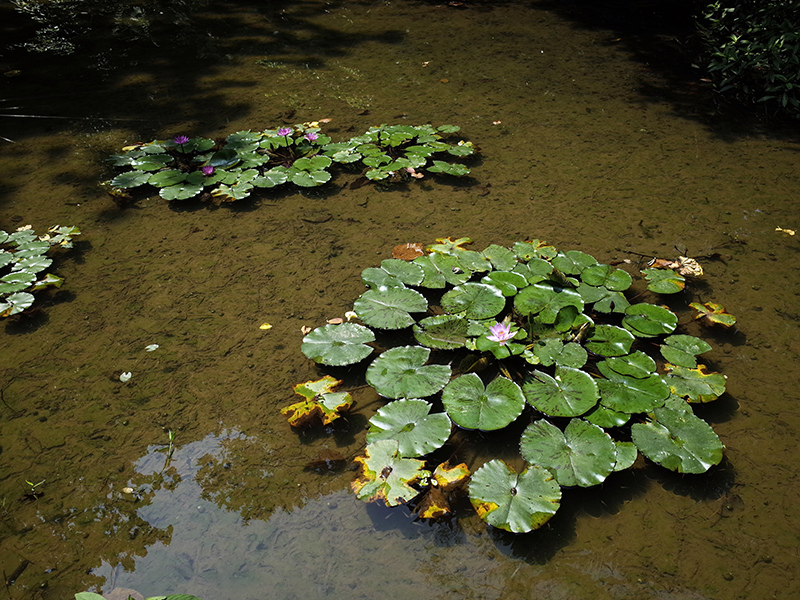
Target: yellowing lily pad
[[386, 476], [713, 313], [321, 403], [445, 481]]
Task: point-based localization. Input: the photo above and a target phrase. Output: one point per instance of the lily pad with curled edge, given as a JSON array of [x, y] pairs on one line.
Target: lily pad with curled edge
[[321, 404], [696, 385], [473, 406], [402, 373], [682, 350], [664, 281], [389, 308], [15, 303], [507, 282], [474, 300], [606, 418], [713, 313], [649, 320], [515, 502], [679, 441], [444, 481], [338, 345], [583, 454], [606, 276], [547, 299], [570, 393], [442, 332], [609, 340], [449, 245], [526, 251], [384, 475], [410, 423]]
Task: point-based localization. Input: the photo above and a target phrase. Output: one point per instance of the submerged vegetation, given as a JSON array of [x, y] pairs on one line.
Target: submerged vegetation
[[549, 346], [231, 169], [24, 262]]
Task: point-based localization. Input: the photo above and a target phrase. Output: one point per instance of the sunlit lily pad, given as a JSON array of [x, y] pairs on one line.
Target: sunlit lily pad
[[696, 385], [664, 281], [389, 308], [384, 475], [649, 320], [410, 423], [339, 344], [440, 269], [682, 350], [627, 452], [402, 373], [546, 299], [516, 502], [605, 417], [679, 441], [572, 262], [442, 332], [502, 259], [130, 179], [321, 404], [552, 351], [609, 340], [474, 300], [606, 276], [455, 169], [473, 406], [713, 313], [583, 454], [15, 303], [507, 282], [167, 178], [570, 393], [627, 394], [444, 481], [603, 299]]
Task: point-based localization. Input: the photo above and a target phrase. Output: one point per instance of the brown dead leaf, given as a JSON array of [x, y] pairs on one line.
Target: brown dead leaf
[[408, 251]]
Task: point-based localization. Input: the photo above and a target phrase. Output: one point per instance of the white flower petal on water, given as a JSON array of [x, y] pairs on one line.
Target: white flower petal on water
[[124, 377]]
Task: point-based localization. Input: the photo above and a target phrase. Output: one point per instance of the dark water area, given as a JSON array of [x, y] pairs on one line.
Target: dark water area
[[592, 137]]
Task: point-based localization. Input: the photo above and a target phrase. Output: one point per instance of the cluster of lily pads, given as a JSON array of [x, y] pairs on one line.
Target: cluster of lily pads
[[507, 338], [23, 265], [184, 167]]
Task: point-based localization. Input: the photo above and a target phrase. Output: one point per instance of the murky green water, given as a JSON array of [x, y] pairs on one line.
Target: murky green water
[[595, 150]]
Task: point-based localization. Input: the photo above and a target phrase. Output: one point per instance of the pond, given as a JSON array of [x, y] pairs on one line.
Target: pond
[[590, 138]]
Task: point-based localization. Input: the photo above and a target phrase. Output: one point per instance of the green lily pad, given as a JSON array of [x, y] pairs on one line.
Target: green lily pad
[[507, 282], [605, 417], [649, 320], [473, 406], [389, 308], [516, 502], [474, 300], [442, 332], [410, 423], [339, 344], [441, 269], [636, 364], [682, 350], [309, 178], [502, 259], [401, 271], [679, 441], [48, 280], [151, 162], [695, 384], [627, 452], [552, 351], [402, 373], [271, 178], [33, 264], [569, 394], [547, 299], [167, 178], [15, 303], [606, 276], [130, 179], [237, 191], [527, 251], [454, 169], [573, 262], [384, 475], [603, 299], [28, 249], [582, 455], [664, 281], [609, 340], [622, 393], [321, 405], [181, 191], [23, 278], [316, 163]]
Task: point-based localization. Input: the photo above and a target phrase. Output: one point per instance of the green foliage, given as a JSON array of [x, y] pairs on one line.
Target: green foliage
[[753, 49], [521, 339], [23, 263], [230, 170]]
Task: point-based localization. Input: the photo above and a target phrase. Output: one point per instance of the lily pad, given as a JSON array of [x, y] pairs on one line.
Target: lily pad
[[474, 300], [696, 385], [502, 259], [570, 393], [605, 417], [573, 262], [271, 178], [606, 276], [338, 345], [553, 351], [713, 313], [441, 269], [609, 340], [167, 178], [130, 179], [546, 299], [389, 308], [384, 475], [664, 281], [583, 454], [444, 481], [442, 332], [649, 320], [623, 393], [507, 282], [402, 373], [627, 452], [516, 502], [308, 178], [454, 169], [15, 303], [410, 423], [321, 404], [682, 350], [679, 441], [473, 406]]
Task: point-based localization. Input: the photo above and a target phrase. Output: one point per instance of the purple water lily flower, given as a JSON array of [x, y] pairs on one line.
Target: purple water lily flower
[[207, 170], [284, 131], [501, 333], [180, 140], [311, 136]]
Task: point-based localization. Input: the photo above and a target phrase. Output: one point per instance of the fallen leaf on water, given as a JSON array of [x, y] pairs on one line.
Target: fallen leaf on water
[[336, 321], [786, 231], [408, 251], [265, 326], [305, 329]]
